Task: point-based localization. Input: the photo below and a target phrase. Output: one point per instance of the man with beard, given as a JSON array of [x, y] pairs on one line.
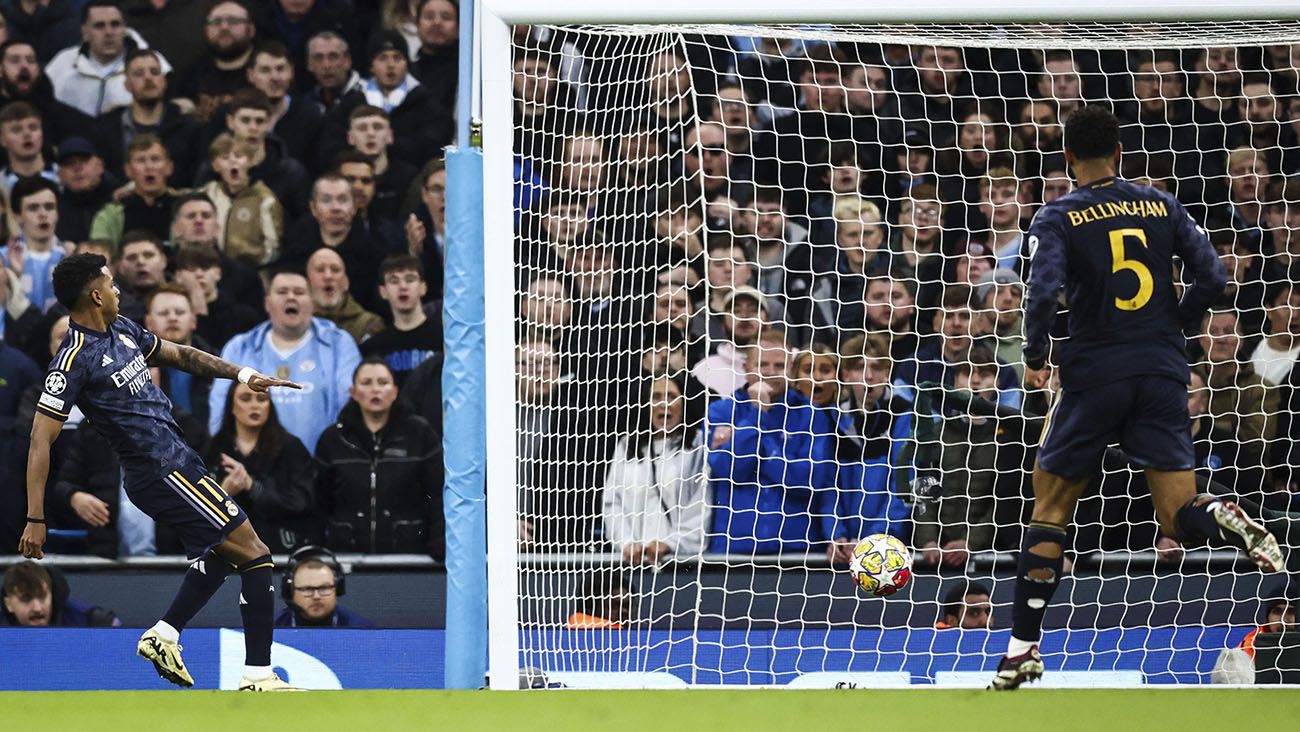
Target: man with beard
[[21, 80], [149, 206], [328, 279], [330, 63], [86, 187], [170, 26], [149, 112], [229, 33], [91, 76]]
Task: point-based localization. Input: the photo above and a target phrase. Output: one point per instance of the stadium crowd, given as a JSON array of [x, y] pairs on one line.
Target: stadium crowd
[[739, 295]]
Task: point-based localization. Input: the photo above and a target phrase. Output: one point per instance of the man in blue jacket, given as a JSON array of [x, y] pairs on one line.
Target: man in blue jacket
[[294, 345], [772, 461]]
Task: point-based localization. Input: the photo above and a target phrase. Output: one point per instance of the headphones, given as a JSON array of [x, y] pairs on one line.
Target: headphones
[[302, 554]]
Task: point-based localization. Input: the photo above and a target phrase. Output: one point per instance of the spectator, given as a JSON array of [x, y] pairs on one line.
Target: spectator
[[294, 21], [148, 207], [48, 26], [1246, 291], [966, 606], [306, 350], [413, 337], [248, 120], [36, 596], [328, 278], [937, 90], [999, 204], [1217, 83], [169, 315], [437, 28], [960, 521], [1241, 404], [771, 461], [917, 242], [1061, 82], [655, 499], [999, 323], [950, 345], [545, 107], [266, 470], [23, 141], [229, 33], [17, 373], [836, 298], [171, 27], [1248, 175], [380, 225], [371, 135], [979, 147], [141, 270], [546, 311], [250, 218], [554, 511], [381, 472], [1275, 356], [421, 128], [18, 316], [194, 223], [312, 585], [333, 225], [426, 226], [889, 310], [784, 258], [293, 118], [220, 314], [91, 76], [330, 63], [872, 425], [22, 79], [729, 266], [708, 165], [604, 602], [86, 188], [1283, 217], [744, 313], [149, 111], [1216, 452], [37, 250]]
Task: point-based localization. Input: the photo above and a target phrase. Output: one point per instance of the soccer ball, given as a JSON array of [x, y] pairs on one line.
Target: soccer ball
[[881, 564]]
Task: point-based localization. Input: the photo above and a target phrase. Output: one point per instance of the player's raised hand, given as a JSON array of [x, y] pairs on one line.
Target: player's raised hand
[[32, 544], [263, 383]]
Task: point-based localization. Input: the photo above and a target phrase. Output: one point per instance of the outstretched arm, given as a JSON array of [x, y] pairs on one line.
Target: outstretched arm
[[44, 432], [201, 363]]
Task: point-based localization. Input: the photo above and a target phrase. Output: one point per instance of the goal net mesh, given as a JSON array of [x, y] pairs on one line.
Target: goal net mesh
[[769, 284]]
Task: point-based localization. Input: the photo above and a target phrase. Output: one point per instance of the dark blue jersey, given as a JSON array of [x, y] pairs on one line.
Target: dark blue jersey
[[1112, 245], [106, 375]]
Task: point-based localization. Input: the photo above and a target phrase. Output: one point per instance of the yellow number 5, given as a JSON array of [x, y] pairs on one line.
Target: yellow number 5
[[1146, 285]]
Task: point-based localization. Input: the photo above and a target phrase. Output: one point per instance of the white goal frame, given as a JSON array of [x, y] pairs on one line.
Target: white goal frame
[[495, 19]]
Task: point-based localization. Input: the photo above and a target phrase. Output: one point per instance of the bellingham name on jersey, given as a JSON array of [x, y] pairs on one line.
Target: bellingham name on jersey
[[1112, 245]]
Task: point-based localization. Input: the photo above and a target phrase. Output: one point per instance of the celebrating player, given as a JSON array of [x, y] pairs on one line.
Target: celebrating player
[[1123, 371], [103, 368]]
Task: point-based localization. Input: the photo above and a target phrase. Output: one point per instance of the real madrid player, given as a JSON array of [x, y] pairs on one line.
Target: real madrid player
[[103, 368], [1112, 245]]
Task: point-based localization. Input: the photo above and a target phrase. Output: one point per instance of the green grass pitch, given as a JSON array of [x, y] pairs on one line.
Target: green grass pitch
[[1152, 710]]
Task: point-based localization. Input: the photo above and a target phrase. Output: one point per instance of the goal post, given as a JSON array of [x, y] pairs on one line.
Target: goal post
[[728, 611]]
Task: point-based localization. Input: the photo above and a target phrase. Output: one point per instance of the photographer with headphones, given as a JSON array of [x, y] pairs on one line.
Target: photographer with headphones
[[312, 585]]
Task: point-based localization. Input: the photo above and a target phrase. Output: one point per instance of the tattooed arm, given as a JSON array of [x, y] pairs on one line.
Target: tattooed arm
[[201, 363]]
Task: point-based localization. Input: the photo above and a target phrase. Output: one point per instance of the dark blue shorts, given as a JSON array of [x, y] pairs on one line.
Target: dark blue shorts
[[1146, 415], [190, 501]]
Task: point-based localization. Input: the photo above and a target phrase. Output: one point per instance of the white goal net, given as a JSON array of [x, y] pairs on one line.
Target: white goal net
[[768, 286]]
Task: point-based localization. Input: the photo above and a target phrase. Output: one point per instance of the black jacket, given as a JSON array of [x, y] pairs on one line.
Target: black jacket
[[361, 256], [381, 492], [59, 121], [179, 134], [281, 505], [77, 210], [422, 126], [438, 70]]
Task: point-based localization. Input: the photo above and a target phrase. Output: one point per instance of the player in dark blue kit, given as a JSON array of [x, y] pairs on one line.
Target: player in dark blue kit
[[103, 368], [1123, 371]]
